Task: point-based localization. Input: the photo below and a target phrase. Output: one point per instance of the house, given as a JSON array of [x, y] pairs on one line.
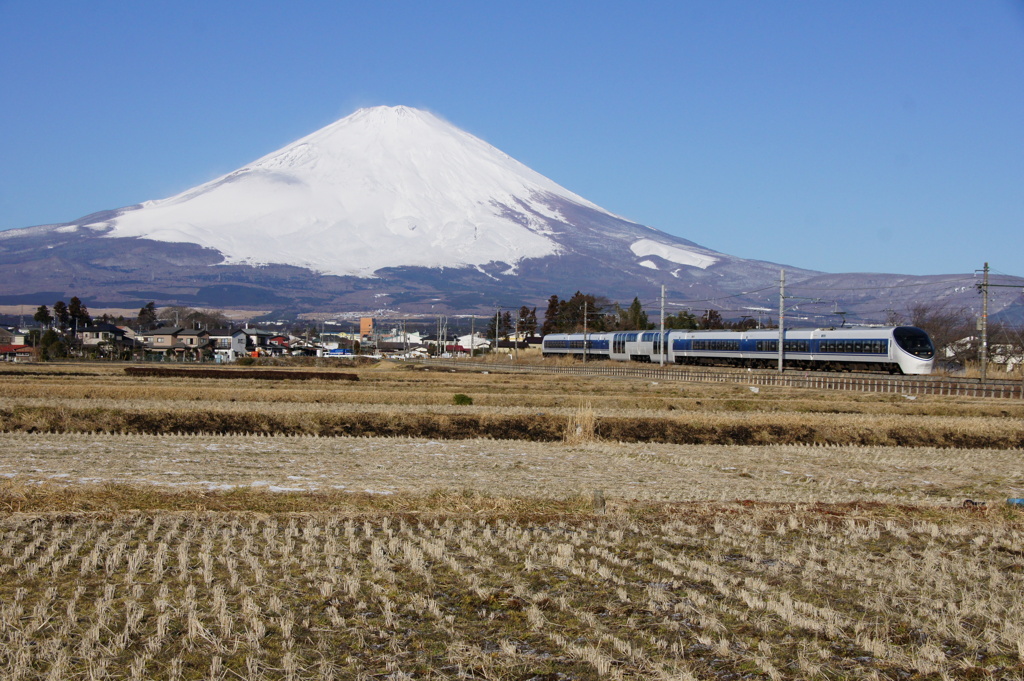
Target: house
[[1008, 356], [6, 337], [476, 342], [161, 339], [228, 344], [17, 353], [173, 341], [194, 342], [257, 341], [91, 336], [108, 340]]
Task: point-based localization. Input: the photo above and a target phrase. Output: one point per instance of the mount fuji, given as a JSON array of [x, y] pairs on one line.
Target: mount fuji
[[388, 208]]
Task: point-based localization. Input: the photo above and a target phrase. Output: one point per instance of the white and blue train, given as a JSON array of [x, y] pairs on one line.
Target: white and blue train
[[896, 349]]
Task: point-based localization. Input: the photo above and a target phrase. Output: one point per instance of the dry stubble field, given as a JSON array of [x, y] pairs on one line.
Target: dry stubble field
[[187, 528]]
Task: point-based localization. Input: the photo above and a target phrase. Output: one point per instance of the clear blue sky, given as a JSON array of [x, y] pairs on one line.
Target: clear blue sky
[[833, 135]]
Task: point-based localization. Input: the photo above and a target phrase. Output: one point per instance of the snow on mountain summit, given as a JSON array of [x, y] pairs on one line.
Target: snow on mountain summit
[[383, 187]]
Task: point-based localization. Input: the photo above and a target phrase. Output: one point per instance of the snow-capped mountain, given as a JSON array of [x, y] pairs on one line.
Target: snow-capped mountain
[[384, 187], [391, 207]]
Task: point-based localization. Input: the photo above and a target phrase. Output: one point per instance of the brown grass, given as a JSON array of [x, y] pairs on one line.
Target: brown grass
[[682, 592], [238, 373], [457, 424], [461, 555]]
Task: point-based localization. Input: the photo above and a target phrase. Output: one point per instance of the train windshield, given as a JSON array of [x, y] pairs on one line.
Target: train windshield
[[915, 341]]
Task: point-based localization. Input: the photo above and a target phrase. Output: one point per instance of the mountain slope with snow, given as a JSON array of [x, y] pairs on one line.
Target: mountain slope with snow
[[384, 187]]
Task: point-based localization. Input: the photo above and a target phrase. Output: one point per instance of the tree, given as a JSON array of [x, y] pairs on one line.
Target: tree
[[508, 326], [147, 316], [567, 316], [635, 318], [61, 315], [551, 316], [43, 316], [52, 346], [711, 319], [527, 321], [681, 320], [78, 313], [580, 312], [191, 318], [952, 329]]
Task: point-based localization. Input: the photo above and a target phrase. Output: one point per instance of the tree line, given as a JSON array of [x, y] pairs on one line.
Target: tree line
[[598, 314]]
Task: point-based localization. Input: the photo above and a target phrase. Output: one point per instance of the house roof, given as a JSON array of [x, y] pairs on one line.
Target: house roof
[[102, 327], [224, 333]]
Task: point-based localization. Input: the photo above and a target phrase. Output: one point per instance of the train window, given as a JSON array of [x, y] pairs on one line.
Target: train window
[[858, 346], [915, 341]]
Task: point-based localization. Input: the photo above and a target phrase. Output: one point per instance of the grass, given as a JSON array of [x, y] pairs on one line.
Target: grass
[[720, 591]]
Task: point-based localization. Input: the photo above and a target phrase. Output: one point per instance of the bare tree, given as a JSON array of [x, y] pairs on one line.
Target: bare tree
[[953, 330]]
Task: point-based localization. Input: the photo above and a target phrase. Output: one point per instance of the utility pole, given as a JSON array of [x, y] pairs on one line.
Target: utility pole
[[984, 325], [472, 335], [584, 331], [782, 312], [663, 348], [497, 322], [515, 339]]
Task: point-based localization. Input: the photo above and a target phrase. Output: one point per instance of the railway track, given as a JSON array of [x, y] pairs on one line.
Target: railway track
[[794, 378]]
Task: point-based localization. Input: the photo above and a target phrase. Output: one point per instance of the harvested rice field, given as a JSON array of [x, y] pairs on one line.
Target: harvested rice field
[[623, 471], [545, 529]]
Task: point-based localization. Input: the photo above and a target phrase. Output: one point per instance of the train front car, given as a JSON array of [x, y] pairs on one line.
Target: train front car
[[914, 351]]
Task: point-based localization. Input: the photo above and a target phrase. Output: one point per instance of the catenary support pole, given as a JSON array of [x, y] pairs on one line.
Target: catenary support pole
[[584, 332], [662, 343], [984, 325], [782, 313]]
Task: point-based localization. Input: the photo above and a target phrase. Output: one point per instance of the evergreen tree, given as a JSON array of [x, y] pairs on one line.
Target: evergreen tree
[[52, 345], [527, 321], [43, 316], [493, 328], [636, 318], [78, 313], [61, 315], [551, 322], [147, 315], [508, 326]]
